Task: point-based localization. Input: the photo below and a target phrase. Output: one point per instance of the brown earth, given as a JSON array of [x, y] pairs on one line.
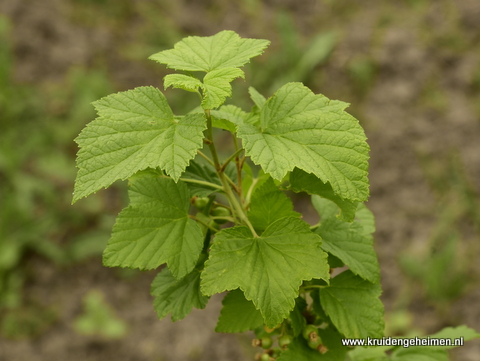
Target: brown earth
[[404, 122]]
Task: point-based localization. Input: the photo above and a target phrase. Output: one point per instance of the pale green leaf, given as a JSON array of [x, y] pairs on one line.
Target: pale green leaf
[[301, 181], [347, 242], [238, 314], [217, 87], [257, 98], [135, 130], [225, 49], [353, 306], [268, 204], [268, 269], [315, 134], [98, 319], [177, 297], [155, 228], [181, 81], [325, 208], [365, 217], [227, 117], [455, 333]]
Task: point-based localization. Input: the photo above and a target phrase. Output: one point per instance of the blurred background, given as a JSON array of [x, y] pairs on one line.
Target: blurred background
[[410, 69]]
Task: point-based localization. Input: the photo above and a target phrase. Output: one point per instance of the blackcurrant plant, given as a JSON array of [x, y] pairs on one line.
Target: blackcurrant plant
[[225, 223]]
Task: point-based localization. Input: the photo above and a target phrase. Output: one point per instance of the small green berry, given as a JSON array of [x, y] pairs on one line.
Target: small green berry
[[310, 333], [313, 344], [200, 203], [265, 357], [266, 342], [221, 212], [284, 341]]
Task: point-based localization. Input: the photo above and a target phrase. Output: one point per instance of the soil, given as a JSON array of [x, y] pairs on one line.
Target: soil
[[404, 123]]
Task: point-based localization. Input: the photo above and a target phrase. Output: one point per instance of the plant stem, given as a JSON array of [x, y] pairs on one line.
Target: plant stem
[[204, 183], [206, 225], [234, 155], [223, 179], [206, 157]]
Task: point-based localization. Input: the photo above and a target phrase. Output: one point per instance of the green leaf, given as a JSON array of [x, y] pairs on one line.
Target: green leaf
[[298, 350], [99, 319], [325, 208], [155, 228], [225, 49], [296, 316], [135, 130], [347, 242], [353, 306], [268, 269], [269, 204], [238, 314], [217, 87], [420, 354], [180, 81], [365, 217], [315, 134], [257, 98], [454, 333], [177, 296], [369, 353], [227, 117], [204, 173], [301, 181]]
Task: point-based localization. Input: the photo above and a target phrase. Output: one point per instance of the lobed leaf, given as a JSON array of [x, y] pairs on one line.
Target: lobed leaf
[[238, 314], [315, 134], [135, 130], [177, 297], [353, 306], [216, 86], [225, 49], [155, 228], [268, 269]]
